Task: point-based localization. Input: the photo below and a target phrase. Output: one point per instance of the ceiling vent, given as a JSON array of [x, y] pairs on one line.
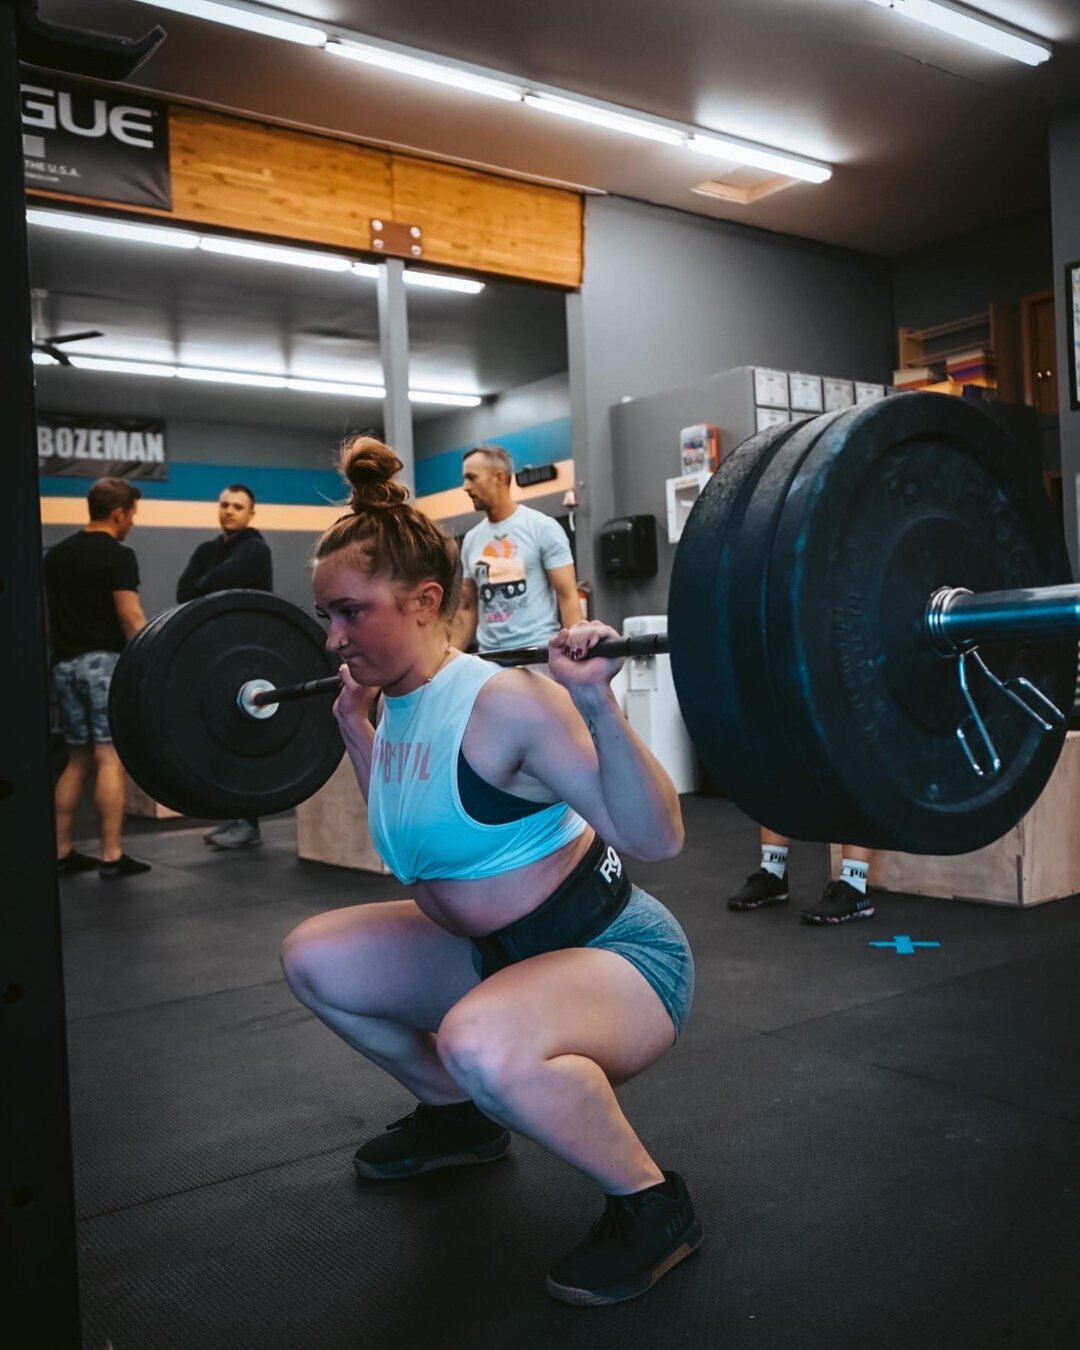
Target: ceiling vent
[[743, 185]]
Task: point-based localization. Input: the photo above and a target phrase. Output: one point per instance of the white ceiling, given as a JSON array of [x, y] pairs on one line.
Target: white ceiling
[[929, 136]]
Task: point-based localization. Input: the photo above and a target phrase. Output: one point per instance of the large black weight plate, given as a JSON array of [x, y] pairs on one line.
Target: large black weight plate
[[760, 761], [710, 654], [175, 723], [894, 501]]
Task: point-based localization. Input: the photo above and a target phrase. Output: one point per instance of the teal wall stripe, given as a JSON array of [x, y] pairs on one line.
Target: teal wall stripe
[[204, 482], [544, 444]]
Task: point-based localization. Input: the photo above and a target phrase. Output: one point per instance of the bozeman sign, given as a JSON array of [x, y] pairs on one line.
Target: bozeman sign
[[93, 142], [101, 447]]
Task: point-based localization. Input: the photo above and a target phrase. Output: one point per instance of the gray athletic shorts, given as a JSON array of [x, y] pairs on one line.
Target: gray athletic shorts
[[81, 686], [648, 935]]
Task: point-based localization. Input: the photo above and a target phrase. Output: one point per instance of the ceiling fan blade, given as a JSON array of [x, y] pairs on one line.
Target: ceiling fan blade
[[73, 337], [61, 358]]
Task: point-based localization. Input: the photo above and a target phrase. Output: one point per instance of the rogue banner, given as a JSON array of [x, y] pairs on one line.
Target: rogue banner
[[101, 447], [95, 141]]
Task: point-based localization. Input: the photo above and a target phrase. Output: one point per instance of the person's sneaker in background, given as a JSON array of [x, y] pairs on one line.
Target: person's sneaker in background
[[839, 903], [761, 888]]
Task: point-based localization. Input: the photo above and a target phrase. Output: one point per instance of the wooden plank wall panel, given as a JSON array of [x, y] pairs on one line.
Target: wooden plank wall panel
[[473, 219], [257, 179]]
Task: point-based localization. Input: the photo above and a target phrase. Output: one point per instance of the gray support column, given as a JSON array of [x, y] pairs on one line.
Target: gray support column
[[38, 1276], [394, 349]]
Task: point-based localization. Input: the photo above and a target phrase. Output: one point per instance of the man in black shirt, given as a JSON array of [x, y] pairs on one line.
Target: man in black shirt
[[92, 595], [238, 557]]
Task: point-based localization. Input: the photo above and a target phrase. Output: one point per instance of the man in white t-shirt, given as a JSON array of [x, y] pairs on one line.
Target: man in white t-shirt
[[519, 586]]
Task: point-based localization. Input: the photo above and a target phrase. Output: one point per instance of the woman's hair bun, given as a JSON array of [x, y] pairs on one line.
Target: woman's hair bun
[[370, 466]]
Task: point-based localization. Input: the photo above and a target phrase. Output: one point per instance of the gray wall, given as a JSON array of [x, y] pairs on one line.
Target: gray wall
[[518, 409], [960, 276], [196, 448], [163, 554], [1065, 215], [669, 298]]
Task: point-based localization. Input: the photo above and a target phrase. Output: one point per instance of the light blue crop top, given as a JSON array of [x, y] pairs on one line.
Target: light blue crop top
[[415, 814]]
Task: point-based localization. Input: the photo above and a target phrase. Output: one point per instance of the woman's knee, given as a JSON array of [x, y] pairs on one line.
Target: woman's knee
[[483, 1051], [303, 955]]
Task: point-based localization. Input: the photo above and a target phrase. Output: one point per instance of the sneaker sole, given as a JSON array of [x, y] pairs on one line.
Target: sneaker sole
[[758, 904], [619, 1293], [846, 918], [227, 848], [401, 1170]]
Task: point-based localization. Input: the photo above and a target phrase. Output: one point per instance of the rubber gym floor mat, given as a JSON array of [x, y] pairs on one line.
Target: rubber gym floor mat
[[844, 1206], [1011, 1033]]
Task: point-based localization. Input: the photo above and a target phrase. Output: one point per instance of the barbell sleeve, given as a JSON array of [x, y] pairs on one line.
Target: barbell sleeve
[[958, 619]]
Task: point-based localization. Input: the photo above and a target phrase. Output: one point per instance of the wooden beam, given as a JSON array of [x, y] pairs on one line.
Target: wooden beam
[[238, 174]]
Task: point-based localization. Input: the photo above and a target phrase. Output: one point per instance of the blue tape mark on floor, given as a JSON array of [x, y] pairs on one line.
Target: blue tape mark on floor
[[904, 945]]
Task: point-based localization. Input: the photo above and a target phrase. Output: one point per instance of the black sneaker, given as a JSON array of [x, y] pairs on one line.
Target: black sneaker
[[121, 867], [762, 888], [74, 862], [840, 902], [430, 1138], [637, 1239]]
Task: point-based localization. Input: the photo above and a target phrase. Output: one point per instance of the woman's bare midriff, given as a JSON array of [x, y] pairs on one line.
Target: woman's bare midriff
[[471, 907]]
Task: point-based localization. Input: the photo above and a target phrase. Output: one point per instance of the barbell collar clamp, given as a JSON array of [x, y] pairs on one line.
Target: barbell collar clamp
[[250, 702], [958, 620]]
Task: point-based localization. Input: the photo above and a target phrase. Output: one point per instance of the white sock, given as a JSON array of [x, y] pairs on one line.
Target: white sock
[[774, 859], [855, 873]]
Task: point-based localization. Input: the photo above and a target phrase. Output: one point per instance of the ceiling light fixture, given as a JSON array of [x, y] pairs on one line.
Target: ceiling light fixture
[[959, 21], [122, 367], [744, 152], [256, 380], [241, 248], [608, 118], [402, 63], [114, 229], [293, 257], [375, 391], [450, 400], [440, 281], [250, 20]]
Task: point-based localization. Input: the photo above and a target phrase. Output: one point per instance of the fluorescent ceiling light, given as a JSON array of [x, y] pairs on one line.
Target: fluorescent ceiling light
[[337, 387], [959, 21], [122, 367], [403, 64], [293, 257], [258, 381], [602, 117], [231, 377], [241, 248], [741, 152], [43, 359], [440, 281], [250, 20], [451, 400], [114, 229]]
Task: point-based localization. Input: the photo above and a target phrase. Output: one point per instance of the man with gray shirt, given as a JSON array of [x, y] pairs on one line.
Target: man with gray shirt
[[519, 585]]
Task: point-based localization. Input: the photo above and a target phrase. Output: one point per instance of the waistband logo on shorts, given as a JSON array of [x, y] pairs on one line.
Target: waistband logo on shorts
[[611, 866]]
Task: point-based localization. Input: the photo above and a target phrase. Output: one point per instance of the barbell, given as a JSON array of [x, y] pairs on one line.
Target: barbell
[[871, 624]]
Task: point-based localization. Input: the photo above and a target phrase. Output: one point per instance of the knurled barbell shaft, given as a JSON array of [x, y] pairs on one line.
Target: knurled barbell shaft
[[642, 644], [958, 620]]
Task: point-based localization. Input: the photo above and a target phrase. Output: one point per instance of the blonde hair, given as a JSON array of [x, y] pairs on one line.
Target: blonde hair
[[384, 534]]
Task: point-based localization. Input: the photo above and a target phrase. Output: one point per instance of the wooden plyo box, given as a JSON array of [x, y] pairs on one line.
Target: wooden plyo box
[[137, 803], [1036, 861], [331, 827]]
